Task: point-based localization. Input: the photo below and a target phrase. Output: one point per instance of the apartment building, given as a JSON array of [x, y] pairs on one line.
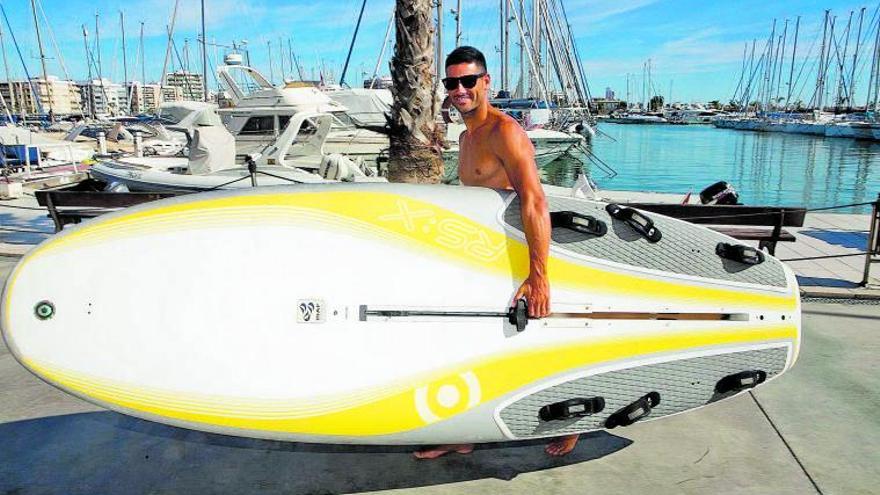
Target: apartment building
[[58, 96], [102, 97], [191, 84]]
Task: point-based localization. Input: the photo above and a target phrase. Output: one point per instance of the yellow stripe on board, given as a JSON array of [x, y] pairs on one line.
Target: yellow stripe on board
[[411, 404], [422, 226]]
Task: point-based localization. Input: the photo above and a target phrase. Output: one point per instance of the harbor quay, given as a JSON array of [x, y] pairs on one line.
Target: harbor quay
[[812, 432]]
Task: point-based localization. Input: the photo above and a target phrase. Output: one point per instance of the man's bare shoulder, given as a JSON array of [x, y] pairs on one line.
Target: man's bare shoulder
[[505, 124], [508, 134]]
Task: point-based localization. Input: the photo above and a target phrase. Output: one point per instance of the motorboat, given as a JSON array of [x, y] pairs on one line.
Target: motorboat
[[359, 118], [295, 155]]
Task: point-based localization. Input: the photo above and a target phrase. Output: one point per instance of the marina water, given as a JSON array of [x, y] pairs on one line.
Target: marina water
[[765, 168]]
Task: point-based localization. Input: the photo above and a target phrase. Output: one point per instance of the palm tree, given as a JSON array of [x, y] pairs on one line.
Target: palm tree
[[416, 139]]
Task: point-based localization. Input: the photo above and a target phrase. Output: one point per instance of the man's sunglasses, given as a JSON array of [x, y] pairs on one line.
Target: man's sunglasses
[[451, 83]]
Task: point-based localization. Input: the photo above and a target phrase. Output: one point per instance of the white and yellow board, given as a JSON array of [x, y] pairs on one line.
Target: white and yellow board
[[243, 313]]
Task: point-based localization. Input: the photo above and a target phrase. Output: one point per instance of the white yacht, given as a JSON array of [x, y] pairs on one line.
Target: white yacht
[[260, 111], [359, 117], [294, 155]]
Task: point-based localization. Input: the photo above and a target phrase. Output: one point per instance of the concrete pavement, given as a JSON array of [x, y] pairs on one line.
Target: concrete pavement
[[814, 430]]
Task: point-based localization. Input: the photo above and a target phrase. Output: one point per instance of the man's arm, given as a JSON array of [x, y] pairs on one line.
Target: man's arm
[[517, 156]]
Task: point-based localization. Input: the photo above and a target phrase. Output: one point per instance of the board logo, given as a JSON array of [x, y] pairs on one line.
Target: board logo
[[310, 311], [447, 397]]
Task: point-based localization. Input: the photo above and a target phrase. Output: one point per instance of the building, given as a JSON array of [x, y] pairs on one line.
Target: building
[[151, 98], [145, 98], [604, 106], [172, 93], [609, 94], [191, 85], [58, 96], [102, 97]]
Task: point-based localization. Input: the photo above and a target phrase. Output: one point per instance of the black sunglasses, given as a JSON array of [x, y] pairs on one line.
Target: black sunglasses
[[451, 83]]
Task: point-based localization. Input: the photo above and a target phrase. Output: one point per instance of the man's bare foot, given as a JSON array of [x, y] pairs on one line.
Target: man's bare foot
[[441, 450], [562, 445]]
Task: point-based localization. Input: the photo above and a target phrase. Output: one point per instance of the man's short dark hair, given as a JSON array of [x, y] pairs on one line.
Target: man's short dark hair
[[466, 55]]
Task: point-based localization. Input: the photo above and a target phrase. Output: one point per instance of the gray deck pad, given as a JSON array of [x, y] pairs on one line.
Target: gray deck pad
[[685, 249], [682, 385]]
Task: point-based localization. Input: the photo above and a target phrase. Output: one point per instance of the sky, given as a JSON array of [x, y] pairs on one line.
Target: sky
[[695, 47]]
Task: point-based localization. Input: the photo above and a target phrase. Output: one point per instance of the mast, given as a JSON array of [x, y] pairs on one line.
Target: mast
[[125, 64], [351, 47], [797, 26], [185, 62], [294, 59], [536, 73], [506, 47], [457, 24], [43, 62], [164, 76], [841, 67], [768, 68], [271, 67], [281, 57], [852, 77], [872, 83], [439, 64], [644, 82], [27, 73], [100, 67], [91, 90], [820, 78], [747, 91], [204, 48], [204, 57], [6, 67], [382, 51], [143, 57], [522, 65], [98, 48], [536, 46], [742, 71], [780, 63], [500, 47]]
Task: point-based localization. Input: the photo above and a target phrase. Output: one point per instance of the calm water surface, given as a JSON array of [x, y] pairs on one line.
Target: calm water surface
[[765, 168]]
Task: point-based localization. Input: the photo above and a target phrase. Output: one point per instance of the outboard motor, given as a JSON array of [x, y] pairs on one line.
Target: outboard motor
[[719, 193]]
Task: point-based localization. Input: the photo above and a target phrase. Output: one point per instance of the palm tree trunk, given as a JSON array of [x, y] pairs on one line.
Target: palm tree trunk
[[416, 139]]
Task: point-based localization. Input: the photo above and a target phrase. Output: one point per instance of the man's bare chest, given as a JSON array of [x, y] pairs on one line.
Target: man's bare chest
[[478, 165]]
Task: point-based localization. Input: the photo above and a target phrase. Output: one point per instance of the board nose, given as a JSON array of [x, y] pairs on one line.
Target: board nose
[[7, 315], [28, 313]]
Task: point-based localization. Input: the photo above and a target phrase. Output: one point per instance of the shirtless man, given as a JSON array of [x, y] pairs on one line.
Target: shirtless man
[[495, 152]]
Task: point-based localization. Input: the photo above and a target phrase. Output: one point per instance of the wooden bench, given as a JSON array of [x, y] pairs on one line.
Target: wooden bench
[[70, 204], [738, 221]]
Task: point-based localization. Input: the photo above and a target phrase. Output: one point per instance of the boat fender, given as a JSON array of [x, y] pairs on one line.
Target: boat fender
[[572, 408], [719, 193], [740, 381], [633, 412], [739, 252], [578, 222], [636, 220], [518, 315]]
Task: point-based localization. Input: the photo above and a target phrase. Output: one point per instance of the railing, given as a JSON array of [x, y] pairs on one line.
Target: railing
[[872, 250]]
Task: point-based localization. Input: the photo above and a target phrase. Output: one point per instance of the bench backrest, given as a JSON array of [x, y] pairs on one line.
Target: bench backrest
[[96, 199], [771, 216]]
